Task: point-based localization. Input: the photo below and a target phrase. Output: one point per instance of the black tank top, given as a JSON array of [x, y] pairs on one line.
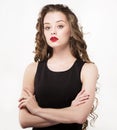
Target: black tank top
[[57, 90]]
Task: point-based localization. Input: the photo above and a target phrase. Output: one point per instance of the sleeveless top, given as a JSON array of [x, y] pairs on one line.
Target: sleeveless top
[[57, 90]]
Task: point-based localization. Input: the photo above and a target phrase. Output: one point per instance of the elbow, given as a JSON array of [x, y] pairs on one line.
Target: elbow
[[81, 119], [23, 119], [23, 124]]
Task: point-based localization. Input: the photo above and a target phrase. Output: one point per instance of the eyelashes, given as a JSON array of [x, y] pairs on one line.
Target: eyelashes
[[50, 27]]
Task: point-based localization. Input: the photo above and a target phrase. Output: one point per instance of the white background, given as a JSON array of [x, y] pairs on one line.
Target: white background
[[17, 36]]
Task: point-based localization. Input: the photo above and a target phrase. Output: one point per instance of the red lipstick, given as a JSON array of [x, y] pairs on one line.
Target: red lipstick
[[53, 39]]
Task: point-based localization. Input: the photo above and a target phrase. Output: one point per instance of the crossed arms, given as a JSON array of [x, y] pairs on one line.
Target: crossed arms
[[32, 115]]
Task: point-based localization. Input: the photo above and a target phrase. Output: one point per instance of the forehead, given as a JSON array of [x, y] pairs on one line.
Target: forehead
[[54, 16]]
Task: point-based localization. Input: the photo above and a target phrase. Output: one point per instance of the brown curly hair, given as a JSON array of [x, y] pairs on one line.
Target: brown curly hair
[[77, 43]]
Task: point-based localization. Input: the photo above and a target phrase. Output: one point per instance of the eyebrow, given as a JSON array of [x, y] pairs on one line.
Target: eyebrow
[[56, 21]]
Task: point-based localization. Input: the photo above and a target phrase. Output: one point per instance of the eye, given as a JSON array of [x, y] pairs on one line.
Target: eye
[[60, 26], [46, 27]]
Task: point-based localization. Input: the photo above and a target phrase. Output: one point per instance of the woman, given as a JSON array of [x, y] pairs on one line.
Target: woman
[[59, 87]]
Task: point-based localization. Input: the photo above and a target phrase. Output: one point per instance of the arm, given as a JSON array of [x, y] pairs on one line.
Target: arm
[[27, 119], [74, 113]]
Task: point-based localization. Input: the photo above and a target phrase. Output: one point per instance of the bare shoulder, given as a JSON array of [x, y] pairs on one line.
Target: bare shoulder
[[29, 74], [90, 67], [89, 70]]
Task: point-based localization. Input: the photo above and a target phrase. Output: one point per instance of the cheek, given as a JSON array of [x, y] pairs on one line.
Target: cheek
[[46, 36], [66, 34]]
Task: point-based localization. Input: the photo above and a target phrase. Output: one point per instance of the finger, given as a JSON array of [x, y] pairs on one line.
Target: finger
[[28, 92], [81, 92], [83, 96], [79, 100], [22, 104], [22, 98], [79, 103], [74, 103]]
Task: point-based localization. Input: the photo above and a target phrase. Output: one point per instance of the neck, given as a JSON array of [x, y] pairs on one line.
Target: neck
[[62, 54]]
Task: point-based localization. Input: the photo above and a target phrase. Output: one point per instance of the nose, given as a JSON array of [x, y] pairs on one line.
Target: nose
[[53, 31]]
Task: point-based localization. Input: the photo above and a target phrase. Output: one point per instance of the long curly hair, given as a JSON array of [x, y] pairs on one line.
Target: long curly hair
[[78, 45]]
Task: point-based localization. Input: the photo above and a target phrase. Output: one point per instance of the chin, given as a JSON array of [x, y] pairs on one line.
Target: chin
[[53, 45]]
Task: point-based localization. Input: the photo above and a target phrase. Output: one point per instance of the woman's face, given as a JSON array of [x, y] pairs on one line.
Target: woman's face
[[56, 29]]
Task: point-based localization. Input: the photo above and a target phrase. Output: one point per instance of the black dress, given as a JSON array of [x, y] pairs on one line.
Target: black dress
[[57, 90]]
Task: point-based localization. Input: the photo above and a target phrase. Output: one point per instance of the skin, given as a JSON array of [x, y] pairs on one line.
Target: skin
[[31, 114], [55, 24]]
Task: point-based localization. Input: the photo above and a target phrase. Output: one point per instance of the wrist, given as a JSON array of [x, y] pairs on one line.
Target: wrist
[[36, 111]]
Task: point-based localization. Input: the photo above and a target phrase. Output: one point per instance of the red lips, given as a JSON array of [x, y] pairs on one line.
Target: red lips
[[53, 39]]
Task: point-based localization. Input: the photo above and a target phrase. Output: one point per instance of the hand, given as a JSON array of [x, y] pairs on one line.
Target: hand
[[81, 98], [29, 102]]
